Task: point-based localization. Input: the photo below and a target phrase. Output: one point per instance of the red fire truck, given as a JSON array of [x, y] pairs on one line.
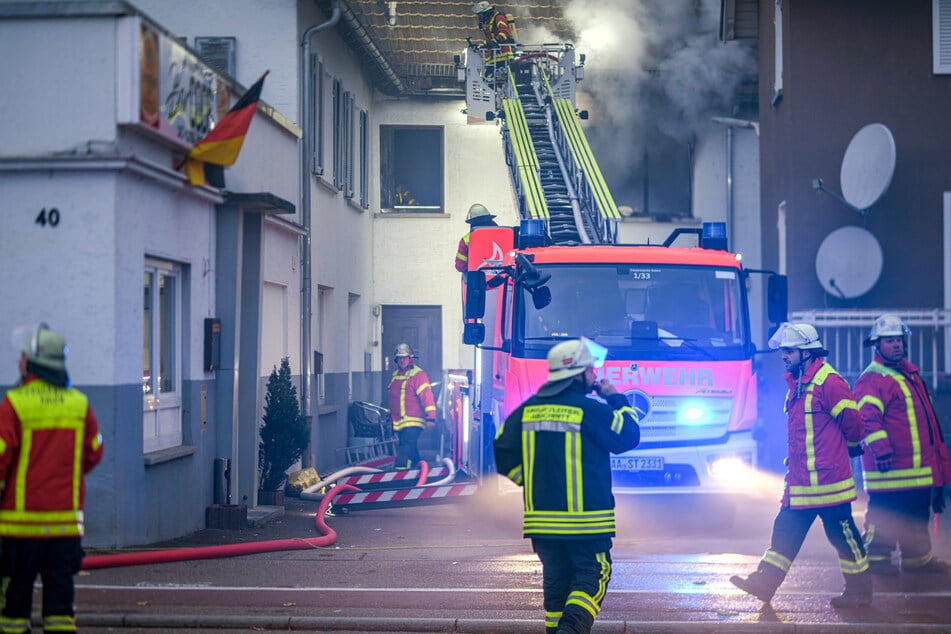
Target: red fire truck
[[675, 321]]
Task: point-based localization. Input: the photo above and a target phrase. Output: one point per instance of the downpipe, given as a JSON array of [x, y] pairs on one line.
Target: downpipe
[[328, 537]]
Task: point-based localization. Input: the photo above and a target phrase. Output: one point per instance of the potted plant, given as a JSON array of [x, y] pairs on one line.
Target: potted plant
[[284, 435]]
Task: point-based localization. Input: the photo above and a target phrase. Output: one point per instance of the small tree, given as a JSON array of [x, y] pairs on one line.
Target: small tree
[[284, 434]]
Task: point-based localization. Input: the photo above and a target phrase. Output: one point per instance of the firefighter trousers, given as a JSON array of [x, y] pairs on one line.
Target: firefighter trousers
[[407, 447], [56, 561], [898, 517], [792, 525], [575, 576]]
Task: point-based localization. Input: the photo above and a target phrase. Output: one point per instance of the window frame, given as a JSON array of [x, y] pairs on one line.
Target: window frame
[[162, 407]]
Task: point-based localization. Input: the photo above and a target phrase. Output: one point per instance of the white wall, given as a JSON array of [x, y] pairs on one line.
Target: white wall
[[413, 257]]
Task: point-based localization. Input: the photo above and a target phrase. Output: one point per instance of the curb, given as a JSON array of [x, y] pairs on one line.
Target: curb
[[473, 626]]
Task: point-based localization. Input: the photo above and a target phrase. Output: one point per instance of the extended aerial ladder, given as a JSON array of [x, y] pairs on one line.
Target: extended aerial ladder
[[555, 176]]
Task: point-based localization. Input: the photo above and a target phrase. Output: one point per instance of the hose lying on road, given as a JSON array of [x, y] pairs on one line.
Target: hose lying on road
[[227, 550], [333, 477]]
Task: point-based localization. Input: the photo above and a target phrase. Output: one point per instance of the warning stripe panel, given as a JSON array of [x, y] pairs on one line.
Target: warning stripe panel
[[392, 476], [396, 495]]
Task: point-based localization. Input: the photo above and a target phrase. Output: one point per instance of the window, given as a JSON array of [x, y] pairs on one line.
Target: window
[[317, 114], [941, 44], [338, 134], [364, 160], [343, 139], [411, 168], [161, 355]]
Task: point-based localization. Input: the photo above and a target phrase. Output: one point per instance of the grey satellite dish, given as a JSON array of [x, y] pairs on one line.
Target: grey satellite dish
[[849, 262], [868, 166]]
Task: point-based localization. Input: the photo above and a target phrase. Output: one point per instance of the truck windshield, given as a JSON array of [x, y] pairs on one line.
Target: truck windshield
[[649, 312]]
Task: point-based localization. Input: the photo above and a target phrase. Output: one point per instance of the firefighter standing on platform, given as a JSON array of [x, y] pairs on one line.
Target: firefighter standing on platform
[[49, 440], [478, 216], [499, 38], [557, 446], [906, 465], [412, 406], [824, 431]]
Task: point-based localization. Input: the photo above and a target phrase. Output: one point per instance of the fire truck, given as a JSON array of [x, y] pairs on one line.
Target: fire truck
[[674, 316]]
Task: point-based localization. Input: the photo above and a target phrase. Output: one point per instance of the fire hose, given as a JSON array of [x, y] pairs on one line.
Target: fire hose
[[328, 537]]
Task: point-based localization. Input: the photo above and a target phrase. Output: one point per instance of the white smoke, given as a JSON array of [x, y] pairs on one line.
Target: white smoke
[[654, 69]]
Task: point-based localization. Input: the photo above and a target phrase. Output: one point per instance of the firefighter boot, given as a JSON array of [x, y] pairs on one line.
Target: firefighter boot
[[762, 584], [858, 591]]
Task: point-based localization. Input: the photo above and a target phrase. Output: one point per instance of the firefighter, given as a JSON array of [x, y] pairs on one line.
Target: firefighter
[[557, 446], [825, 429], [499, 39], [907, 464], [412, 406], [49, 440], [478, 216]]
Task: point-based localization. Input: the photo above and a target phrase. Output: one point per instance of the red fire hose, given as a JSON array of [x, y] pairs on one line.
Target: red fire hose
[[227, 550]]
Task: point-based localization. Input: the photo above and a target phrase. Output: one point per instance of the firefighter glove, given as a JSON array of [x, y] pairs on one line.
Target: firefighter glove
[[937, 499], [884, 463], [855, 450]]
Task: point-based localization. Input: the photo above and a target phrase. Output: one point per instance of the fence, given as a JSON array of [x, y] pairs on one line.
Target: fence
[[842, 333]]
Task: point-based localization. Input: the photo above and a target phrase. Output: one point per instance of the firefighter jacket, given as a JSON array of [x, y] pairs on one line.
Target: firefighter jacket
[[822, 420], [411, 399], [496, 29], [49, 439], [557, 448], [462, 252], [900, 421]]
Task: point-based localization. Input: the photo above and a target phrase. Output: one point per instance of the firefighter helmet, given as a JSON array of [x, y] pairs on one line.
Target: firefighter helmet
[[478, 210], [403, 350], [799, 336], [481, 7], [570, 358], [41, 346], [886, 326]]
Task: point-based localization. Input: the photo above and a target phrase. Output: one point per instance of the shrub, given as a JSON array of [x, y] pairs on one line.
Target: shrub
[[284, 434]]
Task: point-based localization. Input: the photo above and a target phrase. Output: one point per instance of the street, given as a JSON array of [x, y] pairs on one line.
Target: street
[[463, 566]]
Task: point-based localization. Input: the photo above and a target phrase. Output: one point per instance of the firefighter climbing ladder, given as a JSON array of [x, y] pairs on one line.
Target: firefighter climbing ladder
[[555, 175]]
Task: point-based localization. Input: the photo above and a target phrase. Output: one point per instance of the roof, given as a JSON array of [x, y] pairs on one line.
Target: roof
[[409, 45]]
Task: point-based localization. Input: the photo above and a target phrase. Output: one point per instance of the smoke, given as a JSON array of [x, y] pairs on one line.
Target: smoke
[[656, 72]]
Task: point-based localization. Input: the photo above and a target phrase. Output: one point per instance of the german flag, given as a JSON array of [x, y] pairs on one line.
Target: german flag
[[220, 147]]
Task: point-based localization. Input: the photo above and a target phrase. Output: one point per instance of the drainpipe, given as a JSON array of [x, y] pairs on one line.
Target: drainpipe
[[306, 151], [730, 123]]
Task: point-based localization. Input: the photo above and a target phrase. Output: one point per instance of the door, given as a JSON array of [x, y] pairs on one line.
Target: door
[[421, 328]]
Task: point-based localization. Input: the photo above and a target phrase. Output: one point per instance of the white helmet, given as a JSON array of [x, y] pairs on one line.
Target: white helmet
[[800, 336], [481, 7], [886, 326], [403, 350], [570, 358]]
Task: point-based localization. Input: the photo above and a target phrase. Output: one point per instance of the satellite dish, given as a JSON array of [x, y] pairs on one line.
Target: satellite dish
[[849, 262], [868, 166]]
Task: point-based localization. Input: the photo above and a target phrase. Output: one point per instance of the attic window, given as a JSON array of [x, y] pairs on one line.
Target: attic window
[[941, 38], [217, 51]]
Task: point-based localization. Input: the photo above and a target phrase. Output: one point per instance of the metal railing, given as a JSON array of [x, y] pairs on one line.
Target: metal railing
[[842, 333]]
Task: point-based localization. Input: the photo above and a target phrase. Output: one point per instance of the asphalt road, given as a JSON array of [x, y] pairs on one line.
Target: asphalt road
[[462, 566]]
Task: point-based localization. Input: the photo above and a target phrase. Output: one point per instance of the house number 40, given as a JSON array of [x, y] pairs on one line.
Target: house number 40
[[47, 217]]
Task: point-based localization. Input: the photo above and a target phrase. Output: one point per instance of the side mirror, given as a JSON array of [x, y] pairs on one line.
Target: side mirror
[[473, 333], [777, 298], [475, 295], [541, 297]]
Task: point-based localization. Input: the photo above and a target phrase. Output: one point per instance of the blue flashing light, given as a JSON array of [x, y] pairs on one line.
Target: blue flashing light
[[531, 233], [713, 236]]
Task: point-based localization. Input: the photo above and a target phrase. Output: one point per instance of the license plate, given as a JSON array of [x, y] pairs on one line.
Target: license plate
[[631, 463]]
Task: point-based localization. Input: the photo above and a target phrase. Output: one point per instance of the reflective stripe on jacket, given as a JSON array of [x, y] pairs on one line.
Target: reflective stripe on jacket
[[497, 28], [411, 399], [49, 439], [900, 420], [462, 254], [822, 419], [558, 448]]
